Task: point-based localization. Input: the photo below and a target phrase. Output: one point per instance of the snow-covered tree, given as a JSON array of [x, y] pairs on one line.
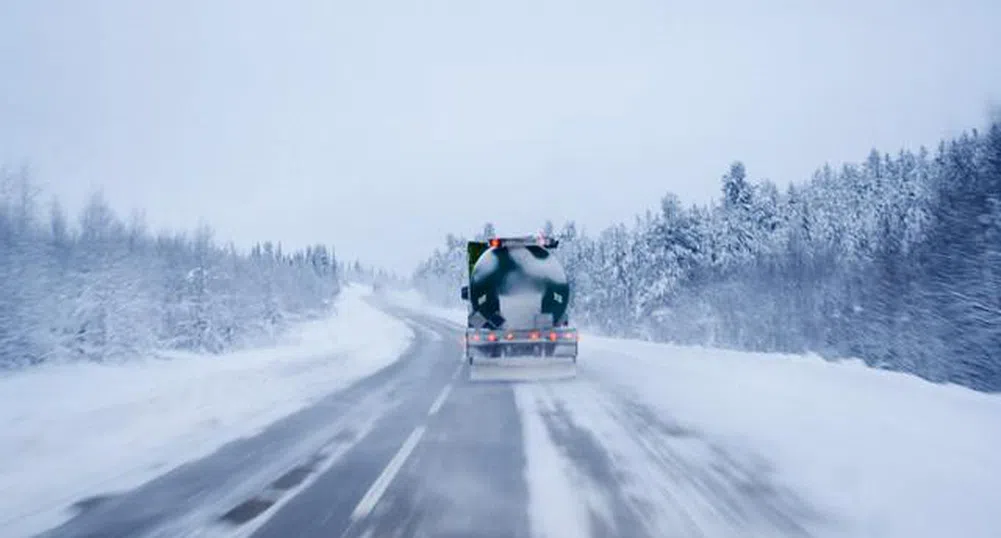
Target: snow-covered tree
[[105, 289], [896, 260]]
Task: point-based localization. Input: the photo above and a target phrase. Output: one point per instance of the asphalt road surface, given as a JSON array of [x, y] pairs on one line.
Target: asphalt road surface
[[426, 447]]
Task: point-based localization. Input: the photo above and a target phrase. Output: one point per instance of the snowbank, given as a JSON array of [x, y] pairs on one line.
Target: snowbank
[[888, 454], [73, 431]]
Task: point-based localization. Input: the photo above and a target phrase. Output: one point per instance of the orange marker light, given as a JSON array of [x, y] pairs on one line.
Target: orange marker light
[[552, 336], [494, 243]]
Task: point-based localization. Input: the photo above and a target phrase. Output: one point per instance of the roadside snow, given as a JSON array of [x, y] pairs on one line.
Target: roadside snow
[[78, 430], [888, 454]]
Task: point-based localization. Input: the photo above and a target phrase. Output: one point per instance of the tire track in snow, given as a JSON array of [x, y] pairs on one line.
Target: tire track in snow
[[630, 472], [553, 507]]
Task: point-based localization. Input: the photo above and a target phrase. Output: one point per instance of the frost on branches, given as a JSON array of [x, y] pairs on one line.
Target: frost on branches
[[107, 289]]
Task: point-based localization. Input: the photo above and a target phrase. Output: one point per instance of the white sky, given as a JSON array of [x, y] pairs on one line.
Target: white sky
[[381, 126]]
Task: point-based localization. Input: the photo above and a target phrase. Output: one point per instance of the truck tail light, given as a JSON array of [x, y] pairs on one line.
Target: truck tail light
[[492, 337], [553, 336], [535, 335]]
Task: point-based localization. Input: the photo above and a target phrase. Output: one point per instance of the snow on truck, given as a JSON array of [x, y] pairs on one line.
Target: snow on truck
[[518, 297]]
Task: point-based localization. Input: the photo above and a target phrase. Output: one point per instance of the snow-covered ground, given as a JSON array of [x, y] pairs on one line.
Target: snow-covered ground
[[887, 454], [77, 430], [869, 453]]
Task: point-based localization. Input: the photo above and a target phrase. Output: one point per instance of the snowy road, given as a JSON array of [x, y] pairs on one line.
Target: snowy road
[[420, 450]]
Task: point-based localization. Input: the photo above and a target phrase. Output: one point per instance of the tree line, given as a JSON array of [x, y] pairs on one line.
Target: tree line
[[99, 287], [895, 260]]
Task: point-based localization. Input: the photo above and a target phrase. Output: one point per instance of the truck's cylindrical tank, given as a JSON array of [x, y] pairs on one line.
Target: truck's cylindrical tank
[[517, 287]]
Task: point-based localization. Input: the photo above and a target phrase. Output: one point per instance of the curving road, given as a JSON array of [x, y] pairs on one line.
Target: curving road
[[421, 449]]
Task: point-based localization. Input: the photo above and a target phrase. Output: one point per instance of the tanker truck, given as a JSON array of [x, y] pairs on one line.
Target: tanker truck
[[518, 298]]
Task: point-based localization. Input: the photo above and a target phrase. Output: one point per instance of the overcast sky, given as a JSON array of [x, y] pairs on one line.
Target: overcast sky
[[381, 126]]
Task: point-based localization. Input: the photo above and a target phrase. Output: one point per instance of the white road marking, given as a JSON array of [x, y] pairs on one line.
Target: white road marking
[[455, 374], [380, 485], [440, 400]]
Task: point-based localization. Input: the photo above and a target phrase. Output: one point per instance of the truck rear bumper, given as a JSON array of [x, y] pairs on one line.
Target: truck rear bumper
[[557, 342]]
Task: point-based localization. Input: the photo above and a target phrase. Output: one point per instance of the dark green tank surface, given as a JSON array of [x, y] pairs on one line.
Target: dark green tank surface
[[510, 286]]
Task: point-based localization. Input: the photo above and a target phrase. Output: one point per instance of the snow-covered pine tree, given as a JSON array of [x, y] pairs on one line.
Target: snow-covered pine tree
[[109, 290]]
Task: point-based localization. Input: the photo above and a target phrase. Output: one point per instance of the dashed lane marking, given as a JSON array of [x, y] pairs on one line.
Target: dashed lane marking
[[440, 400], [380, 485]]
